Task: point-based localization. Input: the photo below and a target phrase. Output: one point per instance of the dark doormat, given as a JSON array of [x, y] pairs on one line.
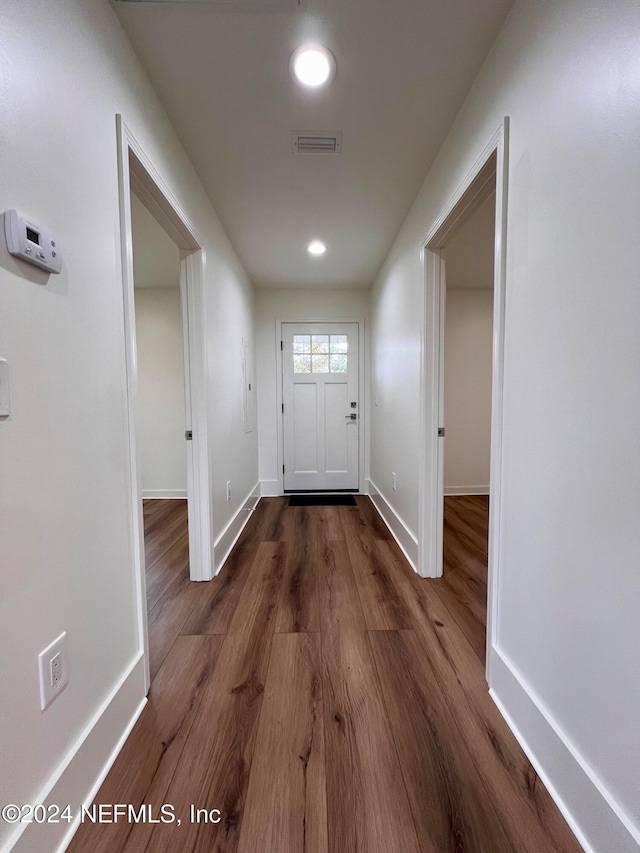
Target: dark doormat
[[322, 500]]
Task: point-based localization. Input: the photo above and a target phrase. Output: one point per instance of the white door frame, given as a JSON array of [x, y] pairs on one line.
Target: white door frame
[[136, 171], [490, 170], [361, 392]]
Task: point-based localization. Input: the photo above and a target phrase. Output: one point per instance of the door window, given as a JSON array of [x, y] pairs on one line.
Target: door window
[[320, 353]]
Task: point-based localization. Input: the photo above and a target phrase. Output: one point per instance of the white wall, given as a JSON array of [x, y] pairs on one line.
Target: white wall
[[156, 258], [67, 558], [303, 304], [161, 415], [469, 252], [468, 342], [566, 661]]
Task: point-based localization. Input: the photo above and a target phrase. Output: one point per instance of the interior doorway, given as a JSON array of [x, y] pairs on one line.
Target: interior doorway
[[483, 191], [160, 358], [162, 371], [467, 301], [141, 183]]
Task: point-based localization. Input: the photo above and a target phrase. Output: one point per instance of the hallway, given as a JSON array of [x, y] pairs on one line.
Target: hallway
[[324, 698]]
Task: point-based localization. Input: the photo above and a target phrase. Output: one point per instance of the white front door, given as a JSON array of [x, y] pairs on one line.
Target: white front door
[[321, 407]]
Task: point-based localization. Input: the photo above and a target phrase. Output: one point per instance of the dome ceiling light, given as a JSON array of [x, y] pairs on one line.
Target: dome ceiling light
[[316, 247], [313, 66]]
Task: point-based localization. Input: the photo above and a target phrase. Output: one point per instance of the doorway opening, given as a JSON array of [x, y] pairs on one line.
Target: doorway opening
[[467, 304], [158, 466], [162, 370], [464, 262]]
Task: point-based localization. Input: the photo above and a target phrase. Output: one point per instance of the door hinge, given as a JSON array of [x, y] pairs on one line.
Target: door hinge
[[281, 346], [189, 435], [440, 432], [283, 407], [283, 469]]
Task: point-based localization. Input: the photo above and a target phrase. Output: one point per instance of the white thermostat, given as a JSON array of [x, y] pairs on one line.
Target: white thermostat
[[31, 242]]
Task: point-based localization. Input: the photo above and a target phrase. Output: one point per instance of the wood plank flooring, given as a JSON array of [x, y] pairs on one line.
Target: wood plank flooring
[[324, 698], [463, 585]]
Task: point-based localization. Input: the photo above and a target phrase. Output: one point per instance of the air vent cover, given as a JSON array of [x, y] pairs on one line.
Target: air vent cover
[[317, 142], [227, 5]]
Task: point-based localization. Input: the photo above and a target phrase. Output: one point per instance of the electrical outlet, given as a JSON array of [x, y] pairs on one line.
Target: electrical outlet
[[393, 480], [228, 490], [55, 670], [53, 666], [5, 402]]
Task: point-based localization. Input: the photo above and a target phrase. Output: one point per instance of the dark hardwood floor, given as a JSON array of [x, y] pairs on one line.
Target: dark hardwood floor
[[463, 586], [323, 698]]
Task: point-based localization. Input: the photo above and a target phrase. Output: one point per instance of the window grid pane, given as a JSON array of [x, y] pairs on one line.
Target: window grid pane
[[302, 343], [338, 343], [338, 363], [320, 353], [301, 363], [320, 343], [320, 363]]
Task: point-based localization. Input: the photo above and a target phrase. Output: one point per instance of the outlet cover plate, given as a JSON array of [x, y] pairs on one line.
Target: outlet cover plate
[[5, 401], [48, 690]]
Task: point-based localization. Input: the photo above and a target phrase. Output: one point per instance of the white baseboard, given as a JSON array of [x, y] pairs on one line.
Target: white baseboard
[[399, 530], [597, 821], [269, 488], [229, 536], [164, 494], [466, 490], [80, 774]]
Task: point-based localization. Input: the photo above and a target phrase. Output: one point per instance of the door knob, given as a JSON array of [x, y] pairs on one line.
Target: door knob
[[352, 417]]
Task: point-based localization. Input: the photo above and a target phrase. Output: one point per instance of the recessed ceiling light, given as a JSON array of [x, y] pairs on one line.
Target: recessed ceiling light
[[313, 65], [316, 247]]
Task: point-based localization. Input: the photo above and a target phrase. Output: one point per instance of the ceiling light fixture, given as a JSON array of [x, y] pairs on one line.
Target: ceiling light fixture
[[316, 247], [313, 66]]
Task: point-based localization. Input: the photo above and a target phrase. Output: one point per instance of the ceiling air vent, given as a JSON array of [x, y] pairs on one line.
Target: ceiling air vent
[[226, 5], [316, 142]]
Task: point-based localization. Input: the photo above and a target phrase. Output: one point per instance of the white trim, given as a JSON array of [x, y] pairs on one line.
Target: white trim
[[451, 491], [497, 388], [230, 535], [135, 170], [199, 468], [589, 808], [164, 494], [489, 170], [81, 772], [429, 452], [440, 289], [269, 488], [362, 395], [399, 530]]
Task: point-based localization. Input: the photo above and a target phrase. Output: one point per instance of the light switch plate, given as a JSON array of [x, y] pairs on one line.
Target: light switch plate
[[5, 400]]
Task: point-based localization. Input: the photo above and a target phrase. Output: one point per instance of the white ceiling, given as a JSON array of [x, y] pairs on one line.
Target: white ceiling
[[470, 251], [403, 70], [156, 258]]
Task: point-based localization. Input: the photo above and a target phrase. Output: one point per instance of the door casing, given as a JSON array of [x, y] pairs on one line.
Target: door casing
[[488, 172], [136, 171]]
